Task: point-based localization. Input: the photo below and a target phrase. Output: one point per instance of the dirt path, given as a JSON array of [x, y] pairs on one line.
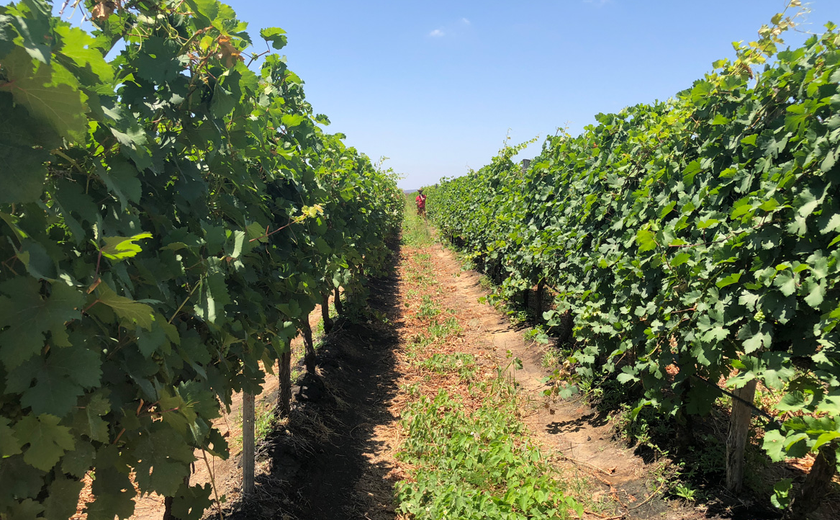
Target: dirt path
[[335, 457], [578, 438]]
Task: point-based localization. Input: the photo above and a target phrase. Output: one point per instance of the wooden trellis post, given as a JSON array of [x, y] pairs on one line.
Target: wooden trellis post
[[736, 441], [248, 419]]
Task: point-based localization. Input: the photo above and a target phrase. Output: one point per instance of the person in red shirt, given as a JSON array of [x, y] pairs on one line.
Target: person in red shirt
[[421, 203]]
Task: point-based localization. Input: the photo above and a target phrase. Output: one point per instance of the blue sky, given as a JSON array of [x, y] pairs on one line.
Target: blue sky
[[437, 85]]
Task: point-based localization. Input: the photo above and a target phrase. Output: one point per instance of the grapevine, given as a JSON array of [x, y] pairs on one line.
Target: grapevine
[[695, 237], [169, 217]]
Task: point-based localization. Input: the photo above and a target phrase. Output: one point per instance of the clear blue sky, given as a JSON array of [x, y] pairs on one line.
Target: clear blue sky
[[436, 85]]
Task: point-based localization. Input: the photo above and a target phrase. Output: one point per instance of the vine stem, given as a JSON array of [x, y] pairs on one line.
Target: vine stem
[[185, 301], [267, 234], [69, 159], [213, 483]]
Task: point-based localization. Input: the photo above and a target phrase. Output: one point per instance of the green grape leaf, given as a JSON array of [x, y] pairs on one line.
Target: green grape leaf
[[62, 499], [778, 370], [679, 259], [25, 510], [47, 440], [759, 340], [164, 459], [774, 445], [22, 143], [793, 401], [37, 261], [716, 333], [120, 248], [191, 501], [81, 52], [275, 35], [88, 418], [26, 316], [45, 94], [206, 10], [823, 439], [786, 282], [122, 180], [112, 490], [9, 444], [729, 280], [816, 292], [131, 311], [646, 240], [78, 461], [158, 60], [149, 342], [60, 378], [18, 479]]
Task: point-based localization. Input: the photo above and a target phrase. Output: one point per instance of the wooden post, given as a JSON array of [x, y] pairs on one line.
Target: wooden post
[[325, 311], [248, 420], [739, 426], [816, 484], [339, 308], [309, 355], [285, 372]]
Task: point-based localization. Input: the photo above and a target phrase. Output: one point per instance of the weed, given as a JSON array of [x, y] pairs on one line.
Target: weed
[[412, 390], [462, 363], [550, 359], [441, 329], [319, 328], [428, 307], [685, 492], [537, 334], [415, 230], [476, 465]]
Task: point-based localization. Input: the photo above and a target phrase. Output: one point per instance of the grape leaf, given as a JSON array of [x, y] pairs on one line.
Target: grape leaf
[[28, 315], [132, 311], [9, 444], [24, 168], [120, 248], [191, 501], [275, 35], [80, 49], [78, 461], [774, 445], [122, 180], [60, 378], [47, 440], [18, 479], [112, 489], [62, 499], [39, 87], [164, 459], [88, 418], [32, 22], [25, 510]]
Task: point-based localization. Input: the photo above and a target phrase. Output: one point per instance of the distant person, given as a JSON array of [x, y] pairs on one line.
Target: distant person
[[421, 203]]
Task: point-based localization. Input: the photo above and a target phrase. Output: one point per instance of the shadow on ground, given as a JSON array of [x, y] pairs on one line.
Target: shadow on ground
[[324, 464]]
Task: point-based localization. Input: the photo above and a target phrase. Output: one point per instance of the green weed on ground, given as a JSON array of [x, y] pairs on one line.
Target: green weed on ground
[[463, 364], [415, 230], [476, 465]]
